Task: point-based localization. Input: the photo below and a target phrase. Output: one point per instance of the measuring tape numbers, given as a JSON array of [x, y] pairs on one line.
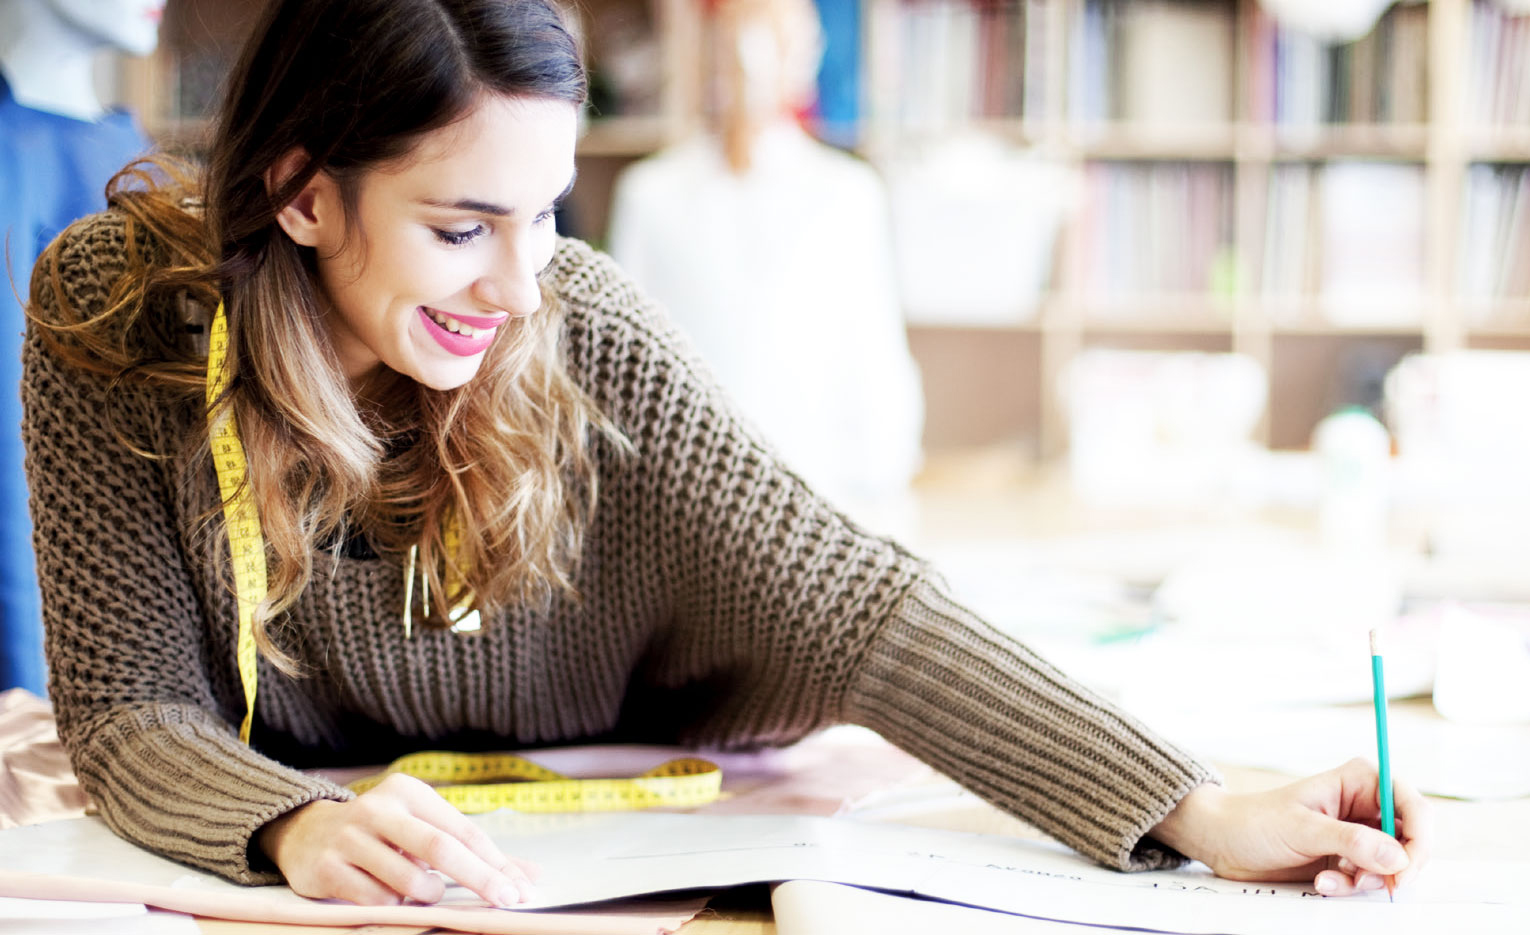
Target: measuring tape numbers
[[475, 783]]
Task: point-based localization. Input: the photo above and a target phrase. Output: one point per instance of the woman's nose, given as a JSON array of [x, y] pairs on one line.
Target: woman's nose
[[512, 288]]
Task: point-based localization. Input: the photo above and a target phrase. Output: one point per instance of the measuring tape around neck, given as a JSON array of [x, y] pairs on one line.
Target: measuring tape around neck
[[677, 783], [246, 545]]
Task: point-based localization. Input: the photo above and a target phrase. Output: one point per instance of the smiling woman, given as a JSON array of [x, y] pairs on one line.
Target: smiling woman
[[278, 404], [448, 245]]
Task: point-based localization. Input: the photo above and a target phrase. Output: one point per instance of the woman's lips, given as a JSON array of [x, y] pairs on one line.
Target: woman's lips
[[459, 344]]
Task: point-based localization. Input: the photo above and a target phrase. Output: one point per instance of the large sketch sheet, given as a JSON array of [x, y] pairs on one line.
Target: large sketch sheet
[[586, 857]]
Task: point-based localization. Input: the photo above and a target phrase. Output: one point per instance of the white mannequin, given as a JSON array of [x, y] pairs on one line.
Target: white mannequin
[[773, 252], [48, 48], [1329, 20]]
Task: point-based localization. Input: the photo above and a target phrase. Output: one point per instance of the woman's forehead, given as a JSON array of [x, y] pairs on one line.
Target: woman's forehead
[[501, 135], [508, 146]]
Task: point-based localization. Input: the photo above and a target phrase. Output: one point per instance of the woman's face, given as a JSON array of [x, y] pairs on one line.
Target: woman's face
[[448, 243]]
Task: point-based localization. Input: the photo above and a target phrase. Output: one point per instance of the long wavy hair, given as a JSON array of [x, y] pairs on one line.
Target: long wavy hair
[[507, 458]]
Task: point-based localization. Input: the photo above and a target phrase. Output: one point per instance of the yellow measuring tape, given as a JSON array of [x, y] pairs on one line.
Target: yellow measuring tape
[[239, 514], [677, 783], [474, 783]]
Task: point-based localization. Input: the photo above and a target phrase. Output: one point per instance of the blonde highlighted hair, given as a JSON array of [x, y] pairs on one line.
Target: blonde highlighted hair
[[507, 458]]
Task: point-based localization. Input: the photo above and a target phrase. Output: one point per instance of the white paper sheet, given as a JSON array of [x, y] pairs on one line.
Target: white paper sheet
[[594, 856], [811, 907], [602, 856]]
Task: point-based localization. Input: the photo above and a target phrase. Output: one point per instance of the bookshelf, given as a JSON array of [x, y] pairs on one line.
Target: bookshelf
[[1424, 121], [1405, 155]]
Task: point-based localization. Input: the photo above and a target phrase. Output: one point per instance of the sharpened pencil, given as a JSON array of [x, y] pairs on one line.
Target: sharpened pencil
[[1383, 755]]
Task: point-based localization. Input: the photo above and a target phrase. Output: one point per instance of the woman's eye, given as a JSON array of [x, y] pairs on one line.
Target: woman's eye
[[457, 238], [547, 215]]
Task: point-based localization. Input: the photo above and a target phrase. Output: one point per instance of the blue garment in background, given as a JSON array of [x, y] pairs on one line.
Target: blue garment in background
[[53, 170], [839, 76]]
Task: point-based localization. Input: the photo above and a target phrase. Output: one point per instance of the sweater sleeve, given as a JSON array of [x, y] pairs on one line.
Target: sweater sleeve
[[784, 616], [129, 677]]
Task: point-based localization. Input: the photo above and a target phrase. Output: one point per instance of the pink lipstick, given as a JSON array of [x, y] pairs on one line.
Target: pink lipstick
[[460, 344]]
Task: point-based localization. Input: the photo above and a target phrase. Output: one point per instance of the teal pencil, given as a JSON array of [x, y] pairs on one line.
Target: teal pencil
[[1383, 755]]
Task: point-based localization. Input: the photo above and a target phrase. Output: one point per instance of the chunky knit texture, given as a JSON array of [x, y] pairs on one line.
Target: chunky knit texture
[[724, 604]]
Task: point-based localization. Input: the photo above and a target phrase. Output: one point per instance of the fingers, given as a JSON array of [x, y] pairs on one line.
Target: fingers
[[1367, 848], [443, 838], [531, 869], [385, 844], [402, 875], [355, 886], [1336, 883], [1360, 802]]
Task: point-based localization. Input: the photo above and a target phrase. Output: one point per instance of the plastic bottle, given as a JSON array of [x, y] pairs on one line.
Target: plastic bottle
[[1355, 457]]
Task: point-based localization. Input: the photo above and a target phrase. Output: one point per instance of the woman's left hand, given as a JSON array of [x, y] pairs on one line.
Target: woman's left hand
[[1324, 828]]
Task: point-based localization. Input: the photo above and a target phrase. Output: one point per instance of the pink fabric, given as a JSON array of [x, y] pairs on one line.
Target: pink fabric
[[36, 781], [826, 774], [628, 917]]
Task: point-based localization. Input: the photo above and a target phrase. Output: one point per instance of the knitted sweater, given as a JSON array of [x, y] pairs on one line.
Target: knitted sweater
[[722, 604]]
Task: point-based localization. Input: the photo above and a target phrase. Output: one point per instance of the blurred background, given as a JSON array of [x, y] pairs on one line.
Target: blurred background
[[1187, 337]]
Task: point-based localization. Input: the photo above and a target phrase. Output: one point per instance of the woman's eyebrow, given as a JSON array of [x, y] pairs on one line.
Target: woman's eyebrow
[[488, 207]]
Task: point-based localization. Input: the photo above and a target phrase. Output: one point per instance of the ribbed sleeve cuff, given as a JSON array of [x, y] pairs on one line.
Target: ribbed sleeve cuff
[[185, 787], [947, 687]]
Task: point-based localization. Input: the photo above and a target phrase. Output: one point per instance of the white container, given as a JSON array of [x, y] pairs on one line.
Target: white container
[[1355, 455]]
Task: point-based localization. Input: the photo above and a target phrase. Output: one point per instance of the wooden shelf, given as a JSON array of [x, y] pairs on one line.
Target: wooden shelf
[[1407, 141], [1211, 142], [1498, 144], [1189, 314], [1306, 315], [622, 136], [1501, 318]]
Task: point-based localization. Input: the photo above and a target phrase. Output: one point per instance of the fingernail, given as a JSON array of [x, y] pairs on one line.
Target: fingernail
[[1326, 885], [528, 890], [1368, 881], [507, 896], [1391, 857]]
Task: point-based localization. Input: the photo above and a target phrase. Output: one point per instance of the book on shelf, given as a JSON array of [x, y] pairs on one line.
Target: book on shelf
[[1296, 80], [1499, 66], [1155, 228], [1371, 217], [1494, 257], [1349, 233], [1287, 257], [947, 63], [1160, 62]]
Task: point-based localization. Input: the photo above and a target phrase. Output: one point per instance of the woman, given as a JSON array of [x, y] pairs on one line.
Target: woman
[[429, 386]]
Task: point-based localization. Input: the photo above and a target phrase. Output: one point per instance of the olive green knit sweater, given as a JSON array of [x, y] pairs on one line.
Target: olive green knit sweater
[[724, 604]]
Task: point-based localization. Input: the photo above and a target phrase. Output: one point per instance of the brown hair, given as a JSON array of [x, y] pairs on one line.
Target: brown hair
[[507, 457]]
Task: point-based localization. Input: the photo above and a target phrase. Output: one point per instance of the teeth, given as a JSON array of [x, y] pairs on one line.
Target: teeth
[[452, 324]]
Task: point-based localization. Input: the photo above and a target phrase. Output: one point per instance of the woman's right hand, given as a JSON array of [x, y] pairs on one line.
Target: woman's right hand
[[379, 849]]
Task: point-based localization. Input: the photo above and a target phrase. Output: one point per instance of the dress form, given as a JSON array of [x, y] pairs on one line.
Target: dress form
[[58, 148], [773, 253]]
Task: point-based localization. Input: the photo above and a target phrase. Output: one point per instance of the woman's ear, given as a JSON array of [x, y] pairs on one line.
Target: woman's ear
[[314, 217]]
